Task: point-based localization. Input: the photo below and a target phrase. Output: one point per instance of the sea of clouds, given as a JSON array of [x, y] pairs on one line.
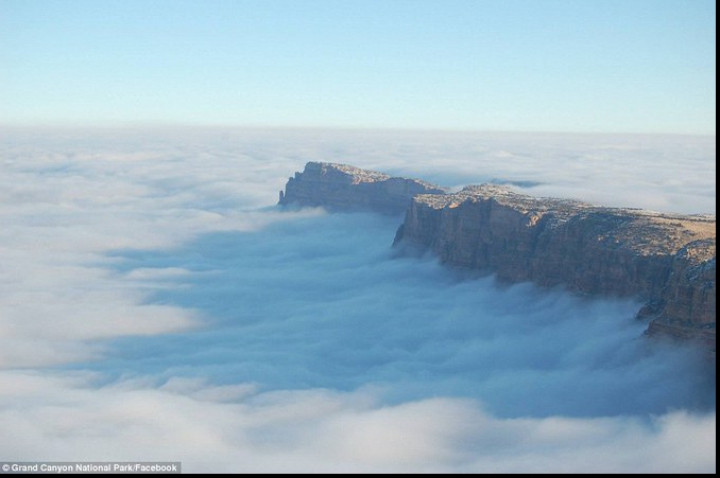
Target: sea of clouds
[[156, 305]]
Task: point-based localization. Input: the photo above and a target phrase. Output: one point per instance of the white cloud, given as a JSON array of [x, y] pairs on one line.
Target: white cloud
[[49, 417], [154, 305]]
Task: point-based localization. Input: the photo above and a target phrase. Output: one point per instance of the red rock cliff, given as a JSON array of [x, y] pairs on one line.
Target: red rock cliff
[[339, 187], [667, 260]]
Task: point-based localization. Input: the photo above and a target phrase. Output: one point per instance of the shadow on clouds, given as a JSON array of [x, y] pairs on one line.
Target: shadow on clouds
[[324, 302], [238, 338]]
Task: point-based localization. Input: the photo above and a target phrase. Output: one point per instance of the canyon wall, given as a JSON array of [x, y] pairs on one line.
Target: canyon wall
[[339, 187], [666, 260]]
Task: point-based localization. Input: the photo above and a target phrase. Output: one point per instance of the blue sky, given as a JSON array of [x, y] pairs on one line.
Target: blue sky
[[644, 66]]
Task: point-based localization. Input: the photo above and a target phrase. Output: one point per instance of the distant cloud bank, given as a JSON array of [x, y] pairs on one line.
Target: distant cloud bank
[[156, 305]]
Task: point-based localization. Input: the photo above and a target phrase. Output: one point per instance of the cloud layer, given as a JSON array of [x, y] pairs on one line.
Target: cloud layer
[[231, 428], [156, 305]]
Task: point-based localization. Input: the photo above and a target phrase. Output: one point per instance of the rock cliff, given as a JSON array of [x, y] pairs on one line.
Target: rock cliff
[[666, 260], [339, 187]]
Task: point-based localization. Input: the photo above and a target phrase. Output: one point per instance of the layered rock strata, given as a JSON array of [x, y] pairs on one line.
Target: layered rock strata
[[339, 187], [666, 260]]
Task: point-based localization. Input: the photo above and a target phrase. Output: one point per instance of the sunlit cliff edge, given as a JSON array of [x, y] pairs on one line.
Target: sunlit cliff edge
[[666, 260], [339, 187]]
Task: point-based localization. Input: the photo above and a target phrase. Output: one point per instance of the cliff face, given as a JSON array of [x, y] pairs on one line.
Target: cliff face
[[338, 187], [667, 260], [686, 306]]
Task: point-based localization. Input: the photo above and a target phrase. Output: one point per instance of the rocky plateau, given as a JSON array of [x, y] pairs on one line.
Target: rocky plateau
[[665, 260]]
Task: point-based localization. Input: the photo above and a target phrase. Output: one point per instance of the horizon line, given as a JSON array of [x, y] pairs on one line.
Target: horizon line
[[164, 125]]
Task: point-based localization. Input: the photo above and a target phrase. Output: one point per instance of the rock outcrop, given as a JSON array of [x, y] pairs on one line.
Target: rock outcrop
[[339, 187], [666, 260]]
